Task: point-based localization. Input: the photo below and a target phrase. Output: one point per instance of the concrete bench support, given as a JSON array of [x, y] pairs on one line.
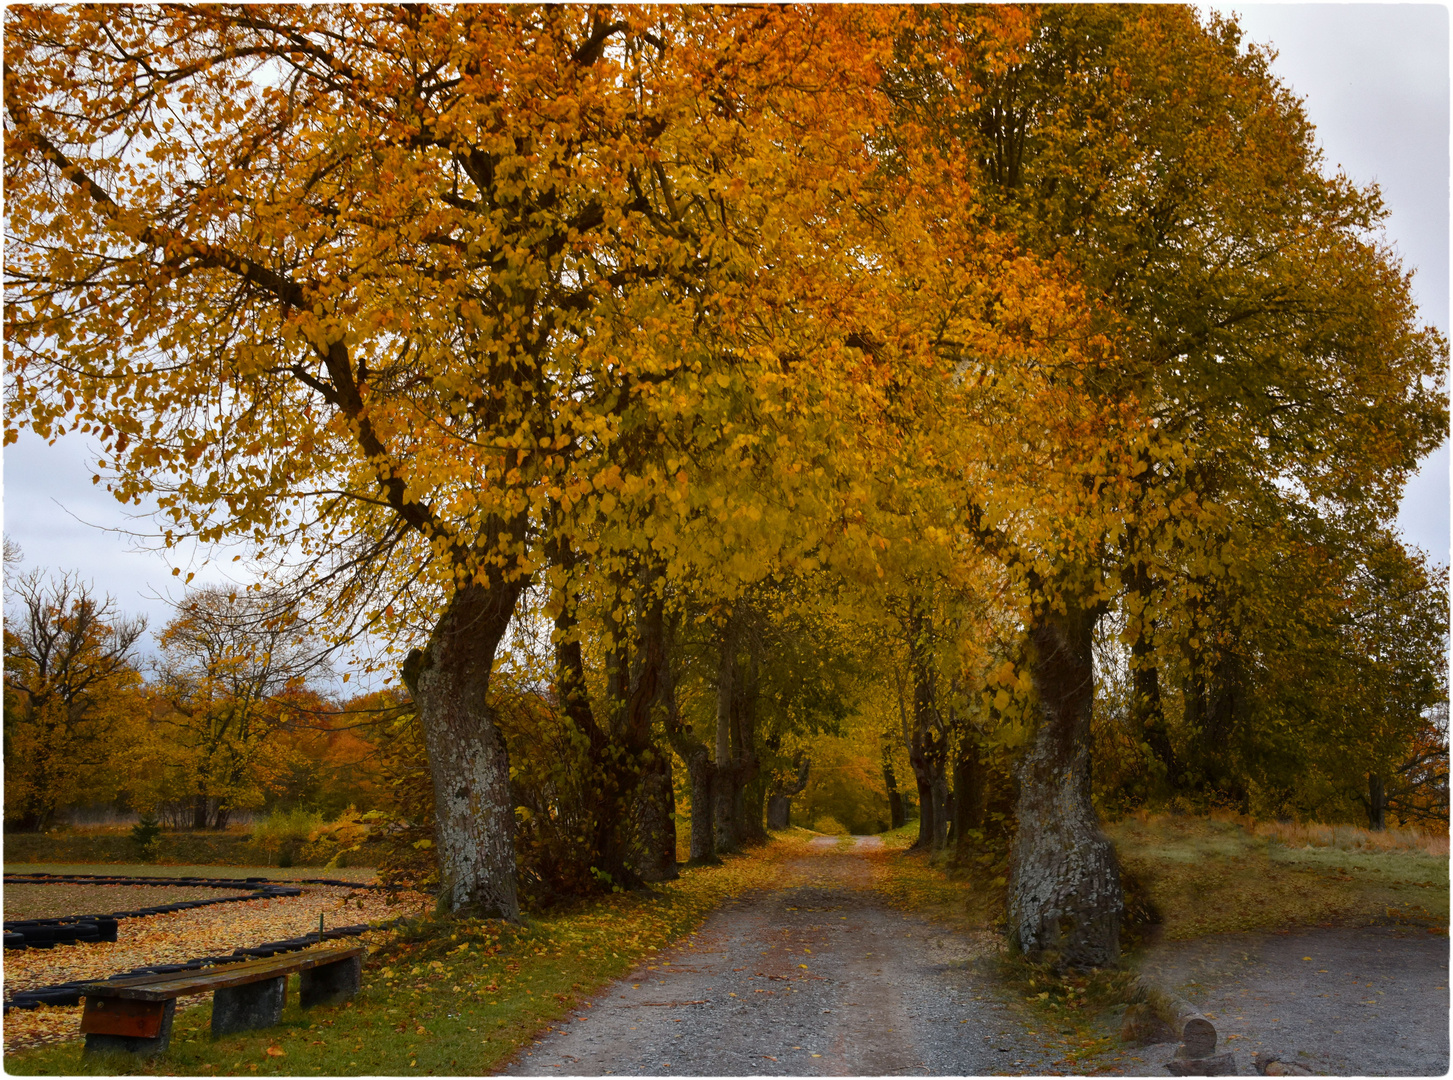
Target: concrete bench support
[[327, 983], [251, 1005]]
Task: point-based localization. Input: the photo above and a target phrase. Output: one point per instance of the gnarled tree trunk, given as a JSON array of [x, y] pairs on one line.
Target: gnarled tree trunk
[[474, 819], [779, 803], [1064, 893]]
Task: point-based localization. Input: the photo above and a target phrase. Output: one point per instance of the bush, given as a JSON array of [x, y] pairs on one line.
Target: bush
[[283, 831], [830, 825], [145, 834]]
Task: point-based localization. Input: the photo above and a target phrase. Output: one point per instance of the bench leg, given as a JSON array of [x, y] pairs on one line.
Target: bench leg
[[252, 1005], [331, 982], [141, 1045]]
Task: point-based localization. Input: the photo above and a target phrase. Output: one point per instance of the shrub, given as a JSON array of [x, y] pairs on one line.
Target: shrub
[[830, 825], [146, 835], [283, 831]]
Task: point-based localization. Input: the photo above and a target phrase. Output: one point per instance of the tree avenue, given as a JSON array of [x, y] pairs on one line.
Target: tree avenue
[[681, 387]]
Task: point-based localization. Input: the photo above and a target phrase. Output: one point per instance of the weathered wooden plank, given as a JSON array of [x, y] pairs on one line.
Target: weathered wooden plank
[[165, 987], [116, 1016]]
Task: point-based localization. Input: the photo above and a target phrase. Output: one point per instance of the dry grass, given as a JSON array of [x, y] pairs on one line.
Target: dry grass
[[1351, 838], [1224, 873]]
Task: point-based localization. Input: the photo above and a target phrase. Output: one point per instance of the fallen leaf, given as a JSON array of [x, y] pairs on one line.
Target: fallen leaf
[[276, 1051]]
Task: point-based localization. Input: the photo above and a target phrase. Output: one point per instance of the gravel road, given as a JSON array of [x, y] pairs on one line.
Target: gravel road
[[1346, 1001], [820, 979], [825, 979]]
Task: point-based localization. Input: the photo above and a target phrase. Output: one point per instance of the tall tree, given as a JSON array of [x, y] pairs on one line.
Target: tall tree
[[1238, 325], [71, 679], [230, 663], [373, 285]]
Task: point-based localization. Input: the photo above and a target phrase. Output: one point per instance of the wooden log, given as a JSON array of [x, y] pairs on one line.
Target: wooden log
[[1196, 1033]]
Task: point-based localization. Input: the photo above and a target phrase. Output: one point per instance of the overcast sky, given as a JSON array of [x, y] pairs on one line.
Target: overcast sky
[[1375, 82]]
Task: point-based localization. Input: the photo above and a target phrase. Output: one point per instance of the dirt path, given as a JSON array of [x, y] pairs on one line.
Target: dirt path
[[818, 979], [1348, 1001]]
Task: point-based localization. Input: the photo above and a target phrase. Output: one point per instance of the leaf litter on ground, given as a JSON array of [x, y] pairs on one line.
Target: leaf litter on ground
[[175, 937]]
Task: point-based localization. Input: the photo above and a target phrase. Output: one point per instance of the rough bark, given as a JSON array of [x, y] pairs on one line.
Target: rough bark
[[647, 783], [654, 849], [474, 820], [702, 770], [1065, 898]]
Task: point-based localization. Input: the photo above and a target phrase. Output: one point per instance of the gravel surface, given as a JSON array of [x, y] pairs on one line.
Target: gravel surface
[[825, 979], [822, 979], [1350, 1001]]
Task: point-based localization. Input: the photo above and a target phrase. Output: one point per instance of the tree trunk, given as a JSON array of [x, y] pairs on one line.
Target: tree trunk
[[654, 855], [1376, 803], [896, 817], [779, 803], [725, 789], [941, 808], [750, 784], [1065, 897], [474, 821], [700, 770], [924, 778], [751, 813], [1148, 712], [779, 812], [928, 748], [971, 791]]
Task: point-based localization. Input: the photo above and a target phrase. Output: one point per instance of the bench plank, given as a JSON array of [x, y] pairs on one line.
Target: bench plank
[[178, 984]]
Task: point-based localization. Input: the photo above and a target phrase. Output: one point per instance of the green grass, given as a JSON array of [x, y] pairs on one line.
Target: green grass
[[449, 997], [212, 870]]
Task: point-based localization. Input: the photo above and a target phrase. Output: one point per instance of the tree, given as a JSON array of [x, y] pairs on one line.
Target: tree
[[70, 681], [233, 672], [374, 286], [1237, 326]]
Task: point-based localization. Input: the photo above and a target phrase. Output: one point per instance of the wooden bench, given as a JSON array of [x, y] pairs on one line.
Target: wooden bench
[[134, 1014]]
